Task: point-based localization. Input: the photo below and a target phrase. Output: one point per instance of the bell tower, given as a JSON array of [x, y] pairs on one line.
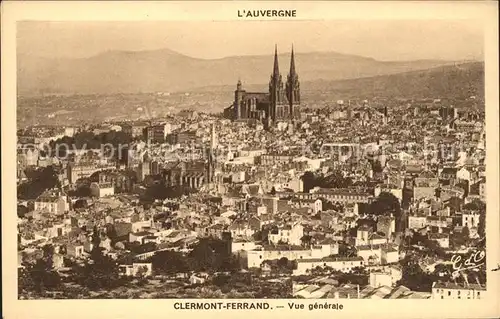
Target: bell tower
[[276, 91], [238, 100], [293, 89]]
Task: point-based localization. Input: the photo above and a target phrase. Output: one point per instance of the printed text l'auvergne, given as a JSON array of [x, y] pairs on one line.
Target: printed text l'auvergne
[[267, 13]]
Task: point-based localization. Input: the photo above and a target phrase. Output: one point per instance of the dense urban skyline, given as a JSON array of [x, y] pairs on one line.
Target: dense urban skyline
[[153, 175]]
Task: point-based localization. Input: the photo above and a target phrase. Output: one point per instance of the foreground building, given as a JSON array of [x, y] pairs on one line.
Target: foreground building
[[449, 290]]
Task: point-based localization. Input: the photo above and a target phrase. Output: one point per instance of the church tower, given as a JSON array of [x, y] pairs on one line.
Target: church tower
[[213, 137], [210, 163], [293, 90], [238, 100], [276, 92]]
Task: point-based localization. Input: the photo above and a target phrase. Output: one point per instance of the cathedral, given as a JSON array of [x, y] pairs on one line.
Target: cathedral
[[281, 103]]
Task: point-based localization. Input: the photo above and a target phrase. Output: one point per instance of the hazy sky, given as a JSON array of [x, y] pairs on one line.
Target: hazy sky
[[382, 40]]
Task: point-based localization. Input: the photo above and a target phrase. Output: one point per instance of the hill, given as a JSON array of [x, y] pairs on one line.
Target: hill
[[168, 71], [452, 81], [455, 81]]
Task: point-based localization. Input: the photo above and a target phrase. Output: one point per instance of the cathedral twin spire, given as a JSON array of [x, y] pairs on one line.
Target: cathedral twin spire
[[292, 65], [283, 99], [278, 93], [276, 69]]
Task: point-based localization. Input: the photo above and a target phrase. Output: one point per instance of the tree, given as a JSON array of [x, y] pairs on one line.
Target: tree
[[434, 248], [170, 262], [212, 255], [455, 204], [221, 280], [273, 191], [414, 277], [466, 232], [282, 262], [81, 191], [385, 203], [261, 235], [377, 166], [359, 270], [335, 180], [309, 181], [142, 271], [88, 140], [230, 263], [481, 226], [138, 248], [155, 191], [25, 281], [111, 233], [306, 240], [101, 272], [327, 205], [39, 181], [475, 205], [159, 191], [346, 250], [460, 238], [443, 271], [204, 256], [80, 203], [358, 278], [21, 211], [41, 275]]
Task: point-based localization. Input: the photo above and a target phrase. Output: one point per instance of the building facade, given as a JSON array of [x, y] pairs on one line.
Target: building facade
[[449, 290], [281, 103]]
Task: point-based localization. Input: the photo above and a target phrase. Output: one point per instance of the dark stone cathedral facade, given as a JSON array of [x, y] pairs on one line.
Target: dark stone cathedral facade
[[281, 103]]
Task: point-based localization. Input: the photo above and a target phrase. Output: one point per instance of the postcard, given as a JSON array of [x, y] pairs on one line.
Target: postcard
[[250, 158]]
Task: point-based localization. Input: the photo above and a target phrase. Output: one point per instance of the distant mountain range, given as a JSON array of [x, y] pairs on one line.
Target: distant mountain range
[[168, 71]]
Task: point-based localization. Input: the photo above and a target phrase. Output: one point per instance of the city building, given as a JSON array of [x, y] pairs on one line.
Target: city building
[[281, 103], [448, 290]]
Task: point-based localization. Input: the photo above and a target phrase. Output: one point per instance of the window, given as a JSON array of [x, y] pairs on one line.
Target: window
[[449, 293]]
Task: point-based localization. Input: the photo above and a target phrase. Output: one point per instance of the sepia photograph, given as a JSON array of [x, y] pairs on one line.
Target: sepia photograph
[[254, 158]]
